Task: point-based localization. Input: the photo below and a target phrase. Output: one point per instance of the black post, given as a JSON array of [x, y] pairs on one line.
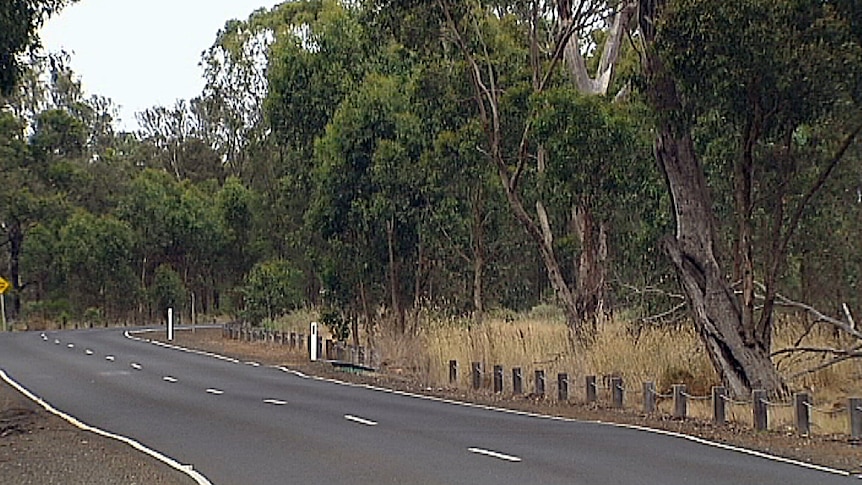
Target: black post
[[477, 375], [758, 409], [540, 383], [617, 392], [591, 389], [718, 405], [801, 401], [517, 381], [649, 397], [498, 378], [453, 372], [563, 387]]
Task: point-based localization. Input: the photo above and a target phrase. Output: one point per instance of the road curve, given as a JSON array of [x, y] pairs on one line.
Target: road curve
[[241, 423]]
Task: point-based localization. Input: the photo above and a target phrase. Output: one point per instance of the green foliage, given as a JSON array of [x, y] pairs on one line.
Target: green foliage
[[168, 290], [272, 288], [338, 326]]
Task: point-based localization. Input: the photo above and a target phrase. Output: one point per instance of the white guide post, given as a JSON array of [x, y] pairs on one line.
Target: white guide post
[[170, 324], [3, 310], [313, 342]]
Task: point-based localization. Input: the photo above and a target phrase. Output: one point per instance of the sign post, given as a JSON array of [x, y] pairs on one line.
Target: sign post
[[313, 346], [4, 285]]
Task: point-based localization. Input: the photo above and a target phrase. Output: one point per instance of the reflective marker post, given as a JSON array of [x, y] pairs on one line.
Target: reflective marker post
[[170, 324], [313, 342], [3, 309]]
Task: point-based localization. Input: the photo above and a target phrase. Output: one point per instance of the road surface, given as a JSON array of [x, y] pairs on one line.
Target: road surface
[[241, 423]]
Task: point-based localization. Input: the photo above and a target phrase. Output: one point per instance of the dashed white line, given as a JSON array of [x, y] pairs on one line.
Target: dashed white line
[[170, 379], [44, 337], [71, 346], [217, 392], [109, 358], [355, 419], [253, 364], [88, 352], [136, 366], [494, 454], [56, 341], [275, 402]]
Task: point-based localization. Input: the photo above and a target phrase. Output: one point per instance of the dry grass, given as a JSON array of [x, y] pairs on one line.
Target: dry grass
[[665, 356]]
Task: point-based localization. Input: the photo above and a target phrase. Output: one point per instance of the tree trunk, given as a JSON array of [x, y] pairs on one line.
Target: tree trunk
[[393, 276], [590, 265], [16, 239], [478, 255], [717, 313]]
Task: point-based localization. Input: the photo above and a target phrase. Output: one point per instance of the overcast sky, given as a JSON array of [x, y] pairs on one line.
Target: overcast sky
[[142, 53]]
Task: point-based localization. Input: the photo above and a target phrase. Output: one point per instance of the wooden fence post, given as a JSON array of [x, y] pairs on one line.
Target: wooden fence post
[[718, 405], [801, 400], [563, 387], [758, 409], [649, 397], [855, 408], [680, 401], [477, 375], [453, 372], [617, 392], [591, 389], [517, 381], [540, 383], [498, 379]]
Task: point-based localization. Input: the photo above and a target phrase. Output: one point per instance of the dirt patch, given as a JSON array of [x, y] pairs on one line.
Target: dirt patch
[[835, 451], [39, 448]]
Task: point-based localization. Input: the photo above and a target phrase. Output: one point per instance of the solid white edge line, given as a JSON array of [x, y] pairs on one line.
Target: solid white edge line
[[187, 469], [494, 454], [696, 439], [356, 419], [275, 402]]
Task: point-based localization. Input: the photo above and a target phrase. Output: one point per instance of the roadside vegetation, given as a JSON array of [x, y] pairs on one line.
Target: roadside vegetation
[[641, 188]]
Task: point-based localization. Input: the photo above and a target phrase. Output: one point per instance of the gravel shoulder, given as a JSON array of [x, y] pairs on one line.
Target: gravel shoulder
[[39, 448]]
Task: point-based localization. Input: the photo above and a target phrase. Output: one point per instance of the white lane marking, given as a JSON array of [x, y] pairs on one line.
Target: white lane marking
[[56, 341], [136, 366], [199, 478], [44, 337], [71, 346], [275, 402], [217, 392], [355, 419], [129, 336], [515, 412], [170, 379], [494, 454], [253, 364], [109, 358], [88, 352]]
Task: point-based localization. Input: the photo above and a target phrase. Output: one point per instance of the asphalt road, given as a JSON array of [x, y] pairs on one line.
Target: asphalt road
[[241, 423]]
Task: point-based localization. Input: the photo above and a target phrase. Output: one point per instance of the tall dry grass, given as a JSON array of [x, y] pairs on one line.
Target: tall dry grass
[[540, 340]]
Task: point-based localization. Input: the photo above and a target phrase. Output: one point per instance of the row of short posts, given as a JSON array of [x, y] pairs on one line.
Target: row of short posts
[[759, 404]]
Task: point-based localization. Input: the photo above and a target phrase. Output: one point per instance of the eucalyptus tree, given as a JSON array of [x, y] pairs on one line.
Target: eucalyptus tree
[[513, 53], [20, 21], [769, 72]]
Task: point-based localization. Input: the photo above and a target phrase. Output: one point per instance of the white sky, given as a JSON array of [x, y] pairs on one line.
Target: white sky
[[142, 53]]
